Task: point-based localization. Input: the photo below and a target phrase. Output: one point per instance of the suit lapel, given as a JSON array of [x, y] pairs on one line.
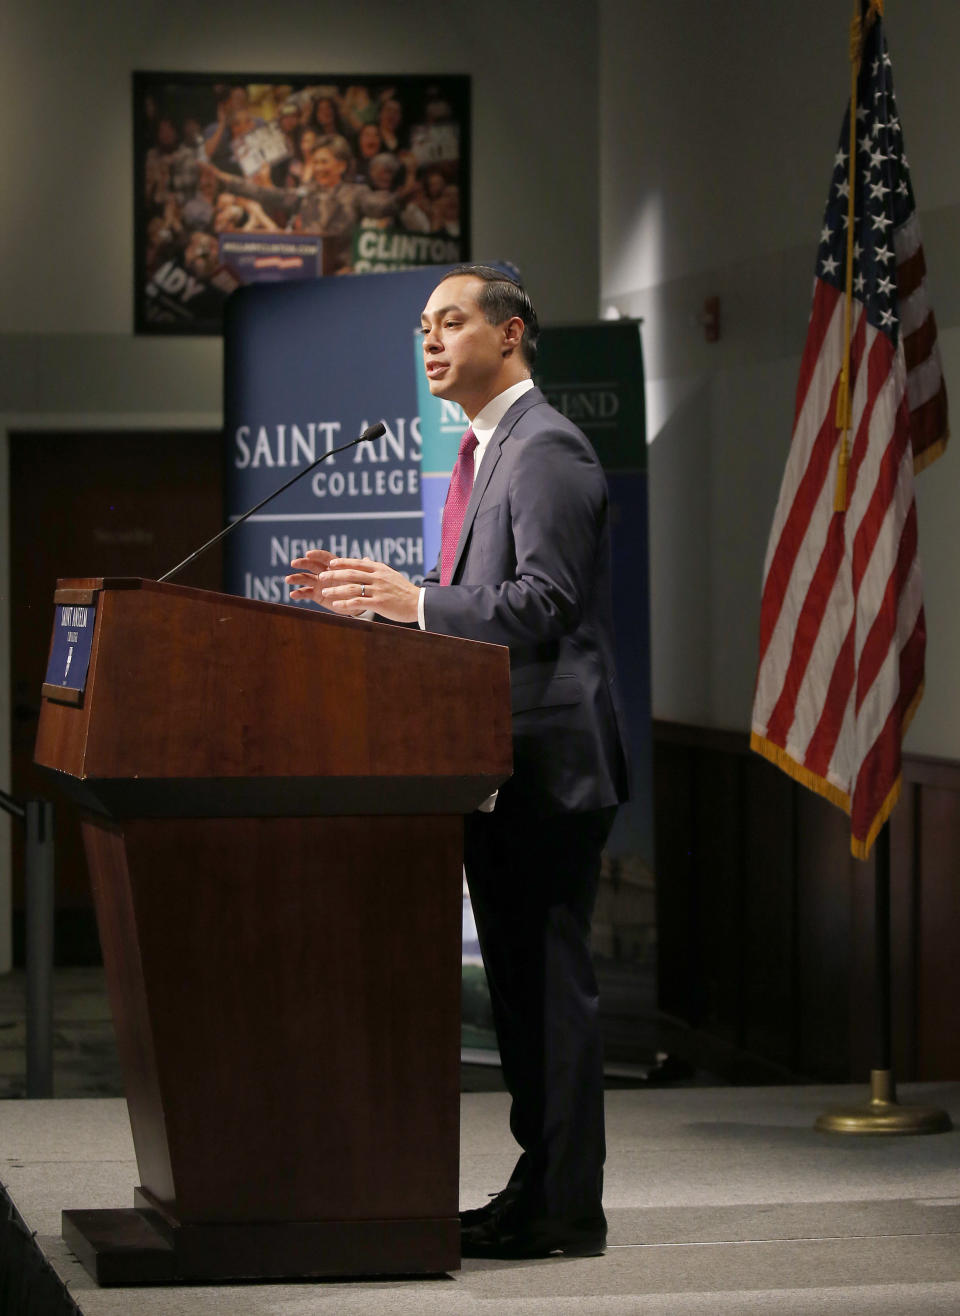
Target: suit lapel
[[490, 458]]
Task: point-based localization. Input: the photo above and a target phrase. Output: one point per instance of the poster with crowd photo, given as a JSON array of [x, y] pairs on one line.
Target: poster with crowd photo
[[254, 178]]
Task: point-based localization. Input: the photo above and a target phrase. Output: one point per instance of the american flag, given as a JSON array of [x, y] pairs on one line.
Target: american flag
[[842, 631]]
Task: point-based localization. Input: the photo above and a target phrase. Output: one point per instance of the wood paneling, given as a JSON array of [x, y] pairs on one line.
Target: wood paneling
[[938, 930], [766, 922], [768, 968]]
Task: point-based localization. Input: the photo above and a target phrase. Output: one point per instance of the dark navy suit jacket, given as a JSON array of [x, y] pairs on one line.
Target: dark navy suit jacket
[[532, 571]]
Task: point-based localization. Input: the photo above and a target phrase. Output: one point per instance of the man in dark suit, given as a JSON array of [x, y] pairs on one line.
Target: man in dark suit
[[525, 563]]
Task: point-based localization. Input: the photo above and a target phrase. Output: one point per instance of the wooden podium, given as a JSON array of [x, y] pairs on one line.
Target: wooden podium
[[274, 802]]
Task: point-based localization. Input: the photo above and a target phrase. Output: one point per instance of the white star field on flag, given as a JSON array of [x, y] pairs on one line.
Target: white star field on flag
[[884, 199]]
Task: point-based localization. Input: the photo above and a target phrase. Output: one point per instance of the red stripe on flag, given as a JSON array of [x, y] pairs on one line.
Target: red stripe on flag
[[881, 765], [911, 664], [824, 739], [911, 273], [805, 500], [928, 422], [795, 526], [870, 523], [825, 298], [876, 778], [883, 631], [879, 362], [808, 629], [918, 345]]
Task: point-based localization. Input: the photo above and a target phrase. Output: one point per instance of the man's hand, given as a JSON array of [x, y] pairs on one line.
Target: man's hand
[[306, 577], [351, 586]]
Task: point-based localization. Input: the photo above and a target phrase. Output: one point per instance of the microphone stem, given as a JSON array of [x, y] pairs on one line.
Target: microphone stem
[[372, 433]]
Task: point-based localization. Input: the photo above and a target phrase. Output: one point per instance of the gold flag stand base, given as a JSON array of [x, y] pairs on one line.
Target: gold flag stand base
[[883, 1114]]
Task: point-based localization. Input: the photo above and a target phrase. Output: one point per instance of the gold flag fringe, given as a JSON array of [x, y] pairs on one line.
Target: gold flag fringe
[[861, 849], [780, 758], [930, 454]]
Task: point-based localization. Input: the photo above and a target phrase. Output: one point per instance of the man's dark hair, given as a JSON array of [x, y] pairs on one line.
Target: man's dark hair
[[500, 299]]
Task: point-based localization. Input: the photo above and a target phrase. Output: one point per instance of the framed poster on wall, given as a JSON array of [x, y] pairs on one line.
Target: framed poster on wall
[[248, 178]]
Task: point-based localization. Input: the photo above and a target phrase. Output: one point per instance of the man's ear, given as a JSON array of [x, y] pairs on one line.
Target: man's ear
[[512, 334]]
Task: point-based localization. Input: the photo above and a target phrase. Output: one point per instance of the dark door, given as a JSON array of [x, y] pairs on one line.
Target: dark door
[[93, 504]]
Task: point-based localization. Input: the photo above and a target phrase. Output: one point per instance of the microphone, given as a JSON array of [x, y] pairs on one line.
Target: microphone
[[373, 432]]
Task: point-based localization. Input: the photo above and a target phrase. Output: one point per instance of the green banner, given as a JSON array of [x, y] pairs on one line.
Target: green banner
[[594, 375]]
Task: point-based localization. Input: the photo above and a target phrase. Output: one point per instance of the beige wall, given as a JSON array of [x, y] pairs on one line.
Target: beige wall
[[717, 127]]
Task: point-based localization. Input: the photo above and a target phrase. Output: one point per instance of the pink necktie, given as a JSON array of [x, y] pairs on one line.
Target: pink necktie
[[458, 495]]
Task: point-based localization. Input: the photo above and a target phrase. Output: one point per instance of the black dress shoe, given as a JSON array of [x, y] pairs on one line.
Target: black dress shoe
[[477, 1214], [502, 1238]]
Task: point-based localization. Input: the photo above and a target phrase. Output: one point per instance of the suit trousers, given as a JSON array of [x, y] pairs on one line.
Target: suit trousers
[[533, 885]]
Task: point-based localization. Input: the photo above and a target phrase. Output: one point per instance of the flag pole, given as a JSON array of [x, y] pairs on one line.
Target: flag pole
[[883, 1113], [843, 412]]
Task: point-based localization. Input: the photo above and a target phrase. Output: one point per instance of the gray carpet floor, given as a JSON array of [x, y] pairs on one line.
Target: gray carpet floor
[[720, 1200]]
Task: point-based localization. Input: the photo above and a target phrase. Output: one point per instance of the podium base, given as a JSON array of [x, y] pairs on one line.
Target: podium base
[[137, 1246], [882, 1114]]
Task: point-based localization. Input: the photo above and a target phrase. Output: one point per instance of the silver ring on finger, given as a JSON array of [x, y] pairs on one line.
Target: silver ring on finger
[[363, 591]]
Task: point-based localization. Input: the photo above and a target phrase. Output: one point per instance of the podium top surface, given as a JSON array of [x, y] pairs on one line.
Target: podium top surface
[[190, 686], [70, 588]]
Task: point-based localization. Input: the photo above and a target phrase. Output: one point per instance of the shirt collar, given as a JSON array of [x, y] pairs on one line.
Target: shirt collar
[[487, 420]]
